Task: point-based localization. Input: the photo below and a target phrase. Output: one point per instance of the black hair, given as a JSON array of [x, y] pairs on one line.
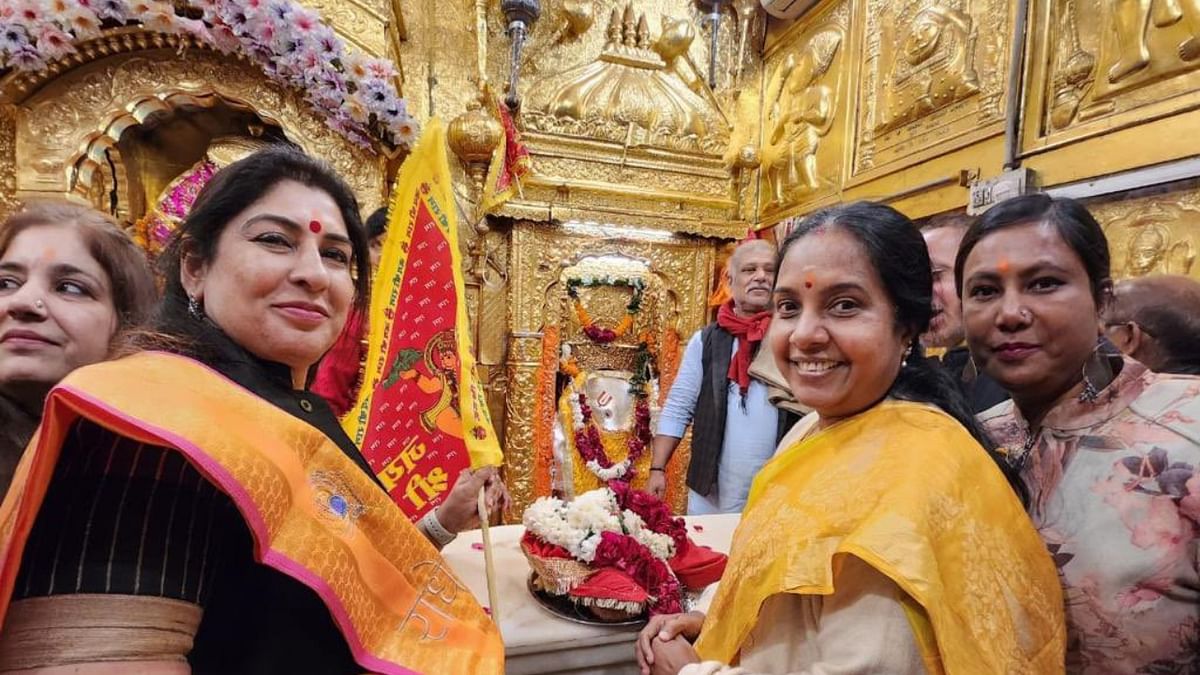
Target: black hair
[[377, 223], [230, 192], [1069, 218], [897, 252]]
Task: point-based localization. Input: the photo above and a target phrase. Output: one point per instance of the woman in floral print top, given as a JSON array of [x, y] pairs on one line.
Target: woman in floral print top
[[1110, 451]]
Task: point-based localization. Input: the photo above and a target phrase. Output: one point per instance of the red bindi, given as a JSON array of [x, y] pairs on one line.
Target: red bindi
[[808, 280], [315, 226]]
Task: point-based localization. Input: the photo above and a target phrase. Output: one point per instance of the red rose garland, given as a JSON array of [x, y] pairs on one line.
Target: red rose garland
[[587, 437]]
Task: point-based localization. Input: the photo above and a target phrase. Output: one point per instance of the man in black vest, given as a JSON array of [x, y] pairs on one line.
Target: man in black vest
[[734, 426], [946, 338]]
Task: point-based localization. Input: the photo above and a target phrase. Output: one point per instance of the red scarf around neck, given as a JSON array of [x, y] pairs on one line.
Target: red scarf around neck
[[749, 331]]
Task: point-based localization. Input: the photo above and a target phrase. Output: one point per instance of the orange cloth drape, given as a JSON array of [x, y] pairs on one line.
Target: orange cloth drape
[[314, 514]]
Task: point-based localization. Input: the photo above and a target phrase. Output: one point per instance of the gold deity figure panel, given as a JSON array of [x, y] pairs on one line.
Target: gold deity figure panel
[[1153, 231], [934, 67], [933, 79], [1100, 64], [801, 150]]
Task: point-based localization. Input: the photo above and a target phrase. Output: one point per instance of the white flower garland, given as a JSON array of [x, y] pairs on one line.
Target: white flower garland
[[576, 526]]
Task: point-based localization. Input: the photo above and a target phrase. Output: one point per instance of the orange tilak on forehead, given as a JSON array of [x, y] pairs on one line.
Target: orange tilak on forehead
[[1004, 266]]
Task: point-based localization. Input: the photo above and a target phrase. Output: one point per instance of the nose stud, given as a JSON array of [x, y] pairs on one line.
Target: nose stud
[[39, 304]]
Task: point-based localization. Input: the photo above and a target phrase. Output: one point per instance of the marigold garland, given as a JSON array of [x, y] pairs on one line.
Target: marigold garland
[[600, 334], [543, 415], [668, 363]]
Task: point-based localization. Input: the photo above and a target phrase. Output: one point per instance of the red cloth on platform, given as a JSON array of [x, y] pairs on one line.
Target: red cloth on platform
[[338, 375], [698, 566]]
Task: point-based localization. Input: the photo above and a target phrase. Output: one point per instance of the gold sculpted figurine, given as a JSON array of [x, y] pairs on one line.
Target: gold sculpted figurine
[[1150, 251], [935, 66], [801, 114], [1131, 21]]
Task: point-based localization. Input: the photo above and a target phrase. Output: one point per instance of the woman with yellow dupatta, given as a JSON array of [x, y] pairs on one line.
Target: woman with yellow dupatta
[[883, 537], [196, 509]]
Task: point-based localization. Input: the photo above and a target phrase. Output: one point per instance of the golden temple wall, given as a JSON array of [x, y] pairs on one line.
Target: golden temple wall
[[905, 101]]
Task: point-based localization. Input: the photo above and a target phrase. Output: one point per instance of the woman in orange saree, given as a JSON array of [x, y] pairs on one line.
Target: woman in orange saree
[[193, 508]]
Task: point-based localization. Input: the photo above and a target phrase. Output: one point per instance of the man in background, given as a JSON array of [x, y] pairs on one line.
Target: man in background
[[340, 369], [735, 426], [1156, 320], [946, 339]]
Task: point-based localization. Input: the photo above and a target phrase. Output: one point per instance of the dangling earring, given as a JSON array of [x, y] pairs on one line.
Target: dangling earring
[[970, 371], [904, 358], [1097, 374], [194, 308]]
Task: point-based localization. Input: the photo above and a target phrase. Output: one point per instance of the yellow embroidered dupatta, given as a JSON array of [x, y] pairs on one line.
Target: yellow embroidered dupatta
[[314, 514], [906, 489]]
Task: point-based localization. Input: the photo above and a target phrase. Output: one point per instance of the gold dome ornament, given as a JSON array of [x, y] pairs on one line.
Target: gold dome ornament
[[473, 137]]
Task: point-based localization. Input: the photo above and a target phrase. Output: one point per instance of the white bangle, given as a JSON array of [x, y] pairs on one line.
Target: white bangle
[[440, 535]]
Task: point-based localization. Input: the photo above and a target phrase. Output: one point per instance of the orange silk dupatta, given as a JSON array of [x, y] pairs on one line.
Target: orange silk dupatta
[[906, 489], [313, 513]]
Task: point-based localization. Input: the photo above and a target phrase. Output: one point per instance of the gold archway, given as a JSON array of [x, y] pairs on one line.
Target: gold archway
[[65, 122]]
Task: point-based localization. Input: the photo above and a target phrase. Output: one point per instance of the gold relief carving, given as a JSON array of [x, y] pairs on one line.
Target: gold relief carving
[[933, 77], [1101, 64], [69, 123], [1074, 67], [1149, 39], [1154, 234], [629, 95], [680, 272], [934, 66], [803, 99]]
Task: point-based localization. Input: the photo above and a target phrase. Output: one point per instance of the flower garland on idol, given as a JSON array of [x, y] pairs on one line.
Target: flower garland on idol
[[285, 39], [600, 334], [620, 528], [587, 432]]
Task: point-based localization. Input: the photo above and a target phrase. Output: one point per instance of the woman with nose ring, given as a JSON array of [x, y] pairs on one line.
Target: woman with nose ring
[[70, 283], [1109, 451], [883, 537]]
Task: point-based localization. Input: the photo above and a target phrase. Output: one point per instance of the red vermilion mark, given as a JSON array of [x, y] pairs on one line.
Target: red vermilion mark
[[809, 279], [315, 226], [1003, 266]]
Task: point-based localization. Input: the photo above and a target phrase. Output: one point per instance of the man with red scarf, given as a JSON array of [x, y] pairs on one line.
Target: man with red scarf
[[734, 426]]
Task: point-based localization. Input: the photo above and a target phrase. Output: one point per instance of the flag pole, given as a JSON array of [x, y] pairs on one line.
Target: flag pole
[[489, 564]]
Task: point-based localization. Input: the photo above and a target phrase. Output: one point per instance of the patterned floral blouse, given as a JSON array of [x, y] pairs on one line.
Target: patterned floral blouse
[[1115, 493]]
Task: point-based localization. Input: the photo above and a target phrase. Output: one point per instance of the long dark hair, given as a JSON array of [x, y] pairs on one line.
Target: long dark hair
[[897, 251], [230, 192]]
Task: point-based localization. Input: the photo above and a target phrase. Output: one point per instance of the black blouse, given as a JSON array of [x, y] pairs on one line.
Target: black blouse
[[123, 517]]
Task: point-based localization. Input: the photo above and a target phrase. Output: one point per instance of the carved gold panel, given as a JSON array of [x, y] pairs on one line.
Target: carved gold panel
[[68, 127], [805, 110], [1101, 65], [679, 277], [1152, 231], [933, 79]]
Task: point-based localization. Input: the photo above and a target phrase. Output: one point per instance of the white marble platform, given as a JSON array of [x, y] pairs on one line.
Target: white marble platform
[[535, 640]]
